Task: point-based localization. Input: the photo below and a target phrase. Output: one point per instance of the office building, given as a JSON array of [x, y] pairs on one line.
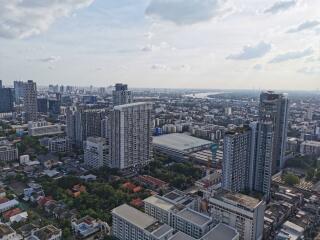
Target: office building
[[242, 212], [274, 107], [95, 152], [6, 100], [130, 223], [237, 159], [18, 91], [30, 101], [121, 95], [42, 105], [310, 148], [130, 135]]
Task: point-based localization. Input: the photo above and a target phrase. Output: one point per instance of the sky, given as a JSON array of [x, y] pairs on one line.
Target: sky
[[207, 44]]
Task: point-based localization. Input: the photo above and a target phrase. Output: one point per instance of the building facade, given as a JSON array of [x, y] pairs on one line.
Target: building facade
[[6, 100], [96, 152], [121, 95], [30, 101], [274, 107], [130, 135], [8, 153]]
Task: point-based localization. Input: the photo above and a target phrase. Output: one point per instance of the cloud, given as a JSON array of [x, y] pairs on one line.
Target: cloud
[[252, 52], [159, 67], [183, 12], [258, 67], [25, 18], [304, 26], [161, 46], [51, 59], [281, 6], [310, 70], [292, 55]]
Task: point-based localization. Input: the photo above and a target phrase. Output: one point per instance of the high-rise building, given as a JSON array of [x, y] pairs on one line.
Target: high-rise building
[[274, 108], [237, 159], [42, 105], [0, 83], [96, 152], [18, 91], [6, 100], [30, 101], [84, 123], [244, 213], [261, 163], [121, 95], [130, 135]]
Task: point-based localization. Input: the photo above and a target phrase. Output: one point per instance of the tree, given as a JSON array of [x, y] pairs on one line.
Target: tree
[[291, 179], [310, 174]]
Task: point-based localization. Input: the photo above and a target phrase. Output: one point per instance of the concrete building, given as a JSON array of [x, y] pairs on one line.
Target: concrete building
[[130, 223], [237, 159], [48, 232], [274, 107], [178, 216], [121, 95], [130, 135], [179, 146], [242, 212], [88, 228], [30, 101], [96, 152], [8, 205], [310, 148], [8, 153], [59, 144], [6, 100], [43, 128], [7, 233]]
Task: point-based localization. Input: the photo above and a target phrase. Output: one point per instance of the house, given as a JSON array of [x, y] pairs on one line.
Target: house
[[7, 233], [8, 205], [89, 228], [77, 190], [48, 232]]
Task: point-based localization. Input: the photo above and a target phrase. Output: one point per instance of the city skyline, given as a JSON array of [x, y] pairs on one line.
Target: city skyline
[[197, 44]]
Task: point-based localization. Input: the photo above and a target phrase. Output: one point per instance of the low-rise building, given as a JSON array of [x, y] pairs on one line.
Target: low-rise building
[[310, 148], [8, 205], [7, 233], [43, 128], [8, 153], [59, 144], [48, 232]]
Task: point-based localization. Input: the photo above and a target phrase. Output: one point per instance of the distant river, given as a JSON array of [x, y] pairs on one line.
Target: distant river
[[203, 95]]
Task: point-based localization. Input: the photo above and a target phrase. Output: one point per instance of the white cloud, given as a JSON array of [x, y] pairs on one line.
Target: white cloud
[[258, 67], [51, 59], [310, 70], [281, 6], [161, 46], [304, 26], [252, 52], [159, 67], [292, 55], [187, 12], [25, 18]]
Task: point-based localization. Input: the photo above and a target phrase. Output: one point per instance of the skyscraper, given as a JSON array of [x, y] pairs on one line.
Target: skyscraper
[[121, 95], [261, 162], [130, 135], [18, 90], [237, 159], [30, 101], [6, 100], [274, 108]]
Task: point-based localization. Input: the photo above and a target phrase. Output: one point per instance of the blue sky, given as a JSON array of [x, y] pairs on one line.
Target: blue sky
[[261, 44]]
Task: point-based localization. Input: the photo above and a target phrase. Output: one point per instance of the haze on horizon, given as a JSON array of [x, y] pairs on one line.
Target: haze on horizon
[[209, 44]]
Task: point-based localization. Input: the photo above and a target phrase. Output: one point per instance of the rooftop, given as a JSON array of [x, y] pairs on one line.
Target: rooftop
[[162, 230], [221, 232], [159, 202], [194, 217], [134, 216], [119, 107], [238, 198], [179, 141], [181, 236], [5, 230], [47, 232]]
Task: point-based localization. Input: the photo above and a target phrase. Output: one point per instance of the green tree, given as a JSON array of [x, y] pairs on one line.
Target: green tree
[[291, 179]]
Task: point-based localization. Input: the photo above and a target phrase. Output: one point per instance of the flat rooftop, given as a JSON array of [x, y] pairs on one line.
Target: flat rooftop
[[237, 198], [134, 216], [181, 236], [179, 141], [194, 217], [221, 232], [159, 202], [5, 230]]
